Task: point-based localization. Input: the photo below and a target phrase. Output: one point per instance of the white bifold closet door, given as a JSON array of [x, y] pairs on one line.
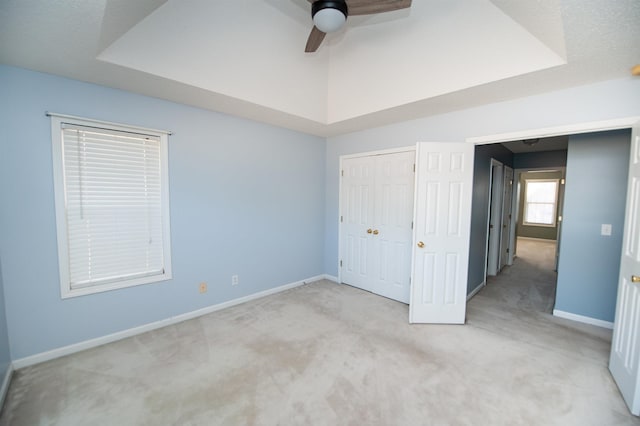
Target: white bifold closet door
[[376, 223]]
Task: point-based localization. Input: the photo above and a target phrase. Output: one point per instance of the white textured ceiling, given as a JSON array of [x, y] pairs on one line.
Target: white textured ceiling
[[245, 57]]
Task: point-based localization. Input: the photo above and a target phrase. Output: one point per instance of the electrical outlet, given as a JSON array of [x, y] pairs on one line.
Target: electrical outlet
[[234, 280], [203, 287]]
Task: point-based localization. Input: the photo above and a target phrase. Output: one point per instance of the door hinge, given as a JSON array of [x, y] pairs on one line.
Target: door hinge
[[341, 263], [411, 225], [414, 167], [507, 250], [341, 219], [342, 173]]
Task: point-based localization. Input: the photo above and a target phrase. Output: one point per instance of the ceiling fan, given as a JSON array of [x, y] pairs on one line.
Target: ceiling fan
[[329, 16]]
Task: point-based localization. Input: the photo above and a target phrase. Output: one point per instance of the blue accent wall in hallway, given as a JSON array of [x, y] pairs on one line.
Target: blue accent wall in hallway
[[595, 194], [480, 208]]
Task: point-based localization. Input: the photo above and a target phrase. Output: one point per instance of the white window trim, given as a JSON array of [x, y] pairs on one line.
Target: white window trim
[[555, 204], [66, 291]]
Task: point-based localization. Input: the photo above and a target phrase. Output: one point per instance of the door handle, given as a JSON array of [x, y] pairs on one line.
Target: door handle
[[375, 232], [635, 279], [420, 244], [369, 231]]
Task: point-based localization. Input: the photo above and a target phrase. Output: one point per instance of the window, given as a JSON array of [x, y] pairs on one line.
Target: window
[[112, 205], [540, 202]]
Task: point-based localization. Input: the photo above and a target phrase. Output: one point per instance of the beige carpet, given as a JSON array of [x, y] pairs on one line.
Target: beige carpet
[[329, 354], [530, 283]]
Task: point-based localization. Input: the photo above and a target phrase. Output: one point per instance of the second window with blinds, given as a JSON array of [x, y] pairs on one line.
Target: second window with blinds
[[112, 205], [541, 196]]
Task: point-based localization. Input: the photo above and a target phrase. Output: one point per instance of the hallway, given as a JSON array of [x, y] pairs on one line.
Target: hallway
[[518, 304], [530, 283]]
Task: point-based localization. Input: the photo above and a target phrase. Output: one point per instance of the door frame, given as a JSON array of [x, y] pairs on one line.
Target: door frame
[[340, 169], [543, 132]]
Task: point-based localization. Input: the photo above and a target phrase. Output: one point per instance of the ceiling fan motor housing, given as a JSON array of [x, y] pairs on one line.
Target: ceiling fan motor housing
[[324, 14]]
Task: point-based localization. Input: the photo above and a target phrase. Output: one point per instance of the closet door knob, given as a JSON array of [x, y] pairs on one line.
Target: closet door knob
[[375, 232], [420, 244], [369, 231]]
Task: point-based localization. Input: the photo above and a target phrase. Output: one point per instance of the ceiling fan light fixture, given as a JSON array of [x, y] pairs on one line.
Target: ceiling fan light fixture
[[329, 16]]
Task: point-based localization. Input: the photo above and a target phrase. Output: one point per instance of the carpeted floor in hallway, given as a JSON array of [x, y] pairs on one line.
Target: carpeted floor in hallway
[[530, 283], [329, 354]]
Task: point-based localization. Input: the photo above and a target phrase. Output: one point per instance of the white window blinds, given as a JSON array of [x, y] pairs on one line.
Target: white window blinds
[[113, 205], [540, 207]]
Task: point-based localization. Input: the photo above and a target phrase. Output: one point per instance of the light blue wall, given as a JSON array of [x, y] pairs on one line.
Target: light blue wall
[[5, 352], [480, 209], [246, 198], [595, 194]]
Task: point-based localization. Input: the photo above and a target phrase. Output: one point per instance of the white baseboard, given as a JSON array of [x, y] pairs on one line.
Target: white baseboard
[[5, 384], [581, 318], [92, 343], [331, 278], [476, 290]]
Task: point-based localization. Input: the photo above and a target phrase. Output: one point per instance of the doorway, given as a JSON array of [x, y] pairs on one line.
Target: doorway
[[515, 213], [590, 256]]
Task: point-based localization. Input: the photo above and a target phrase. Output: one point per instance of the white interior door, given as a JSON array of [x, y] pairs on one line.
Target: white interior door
[[376, 223], [393, 220], [507, 194], [357, 192], [495, 217], [442, 221], [625, 346]]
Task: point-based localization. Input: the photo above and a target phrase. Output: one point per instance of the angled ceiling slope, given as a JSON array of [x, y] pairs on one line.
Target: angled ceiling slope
[[245, 57]]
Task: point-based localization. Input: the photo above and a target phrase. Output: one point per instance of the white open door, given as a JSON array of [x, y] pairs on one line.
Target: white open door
[[495, 218], [625, 346], [505, 236], [442, 221]]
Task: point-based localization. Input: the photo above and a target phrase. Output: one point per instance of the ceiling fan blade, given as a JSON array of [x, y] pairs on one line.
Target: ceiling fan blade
[[370, 7], [314, 40]]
